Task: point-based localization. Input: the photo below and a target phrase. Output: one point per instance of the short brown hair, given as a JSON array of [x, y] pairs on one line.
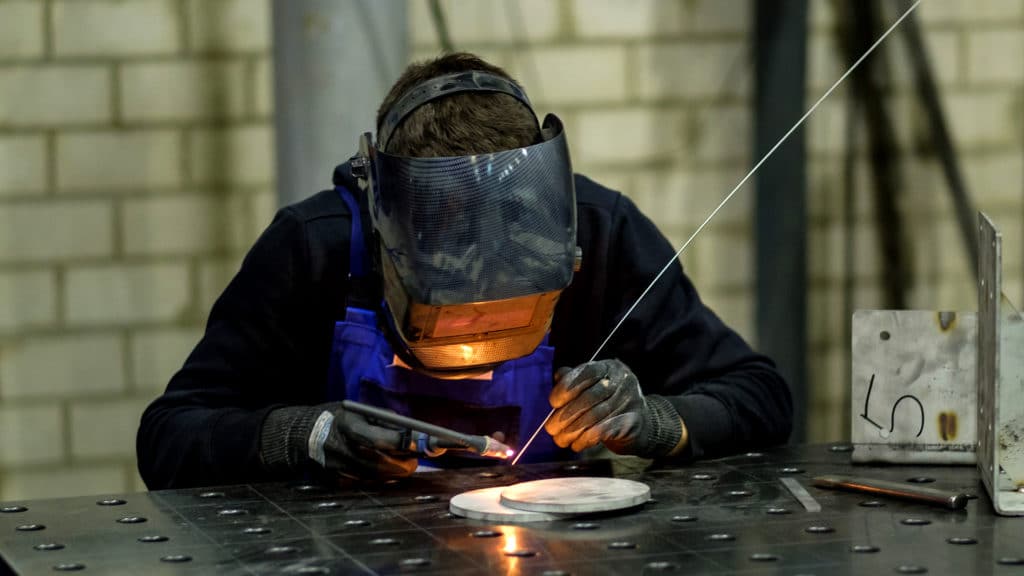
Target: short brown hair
[[460, 124]]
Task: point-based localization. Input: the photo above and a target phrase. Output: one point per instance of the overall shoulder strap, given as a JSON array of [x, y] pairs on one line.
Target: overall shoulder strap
[[364, 291]]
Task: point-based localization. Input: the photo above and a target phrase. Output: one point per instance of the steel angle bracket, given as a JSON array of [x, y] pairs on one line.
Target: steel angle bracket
[[1000, 380], [913, 391]]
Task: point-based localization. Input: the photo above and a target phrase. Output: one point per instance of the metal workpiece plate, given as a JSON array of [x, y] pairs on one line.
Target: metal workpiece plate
[[485, 504], [1000, 379], [913, 387], [718, 517], [580, 495]]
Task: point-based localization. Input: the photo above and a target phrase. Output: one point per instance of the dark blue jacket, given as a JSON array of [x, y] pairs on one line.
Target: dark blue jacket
[[267, 342]]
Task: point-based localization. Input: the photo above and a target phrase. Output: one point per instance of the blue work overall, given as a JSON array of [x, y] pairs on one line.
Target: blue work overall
[[513, 399]]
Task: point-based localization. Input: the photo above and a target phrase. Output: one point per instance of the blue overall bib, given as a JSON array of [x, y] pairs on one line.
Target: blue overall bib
[[513, 400]]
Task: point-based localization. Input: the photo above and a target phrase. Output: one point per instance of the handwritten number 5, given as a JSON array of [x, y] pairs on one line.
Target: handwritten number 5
[[892, 416]]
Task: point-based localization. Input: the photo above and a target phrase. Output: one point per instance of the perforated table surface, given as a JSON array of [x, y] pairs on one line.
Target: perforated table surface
[[717, 517]]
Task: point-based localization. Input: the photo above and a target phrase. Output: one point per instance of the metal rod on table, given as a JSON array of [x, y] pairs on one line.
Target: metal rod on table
[[946, 499], [483, 445]]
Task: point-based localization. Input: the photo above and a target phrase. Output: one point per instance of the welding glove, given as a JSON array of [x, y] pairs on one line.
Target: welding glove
[[337, 440], [601, 402]]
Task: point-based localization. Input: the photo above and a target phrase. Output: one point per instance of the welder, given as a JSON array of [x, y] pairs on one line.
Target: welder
[[455, 263]]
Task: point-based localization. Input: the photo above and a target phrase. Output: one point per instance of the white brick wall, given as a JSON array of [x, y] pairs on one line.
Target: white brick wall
[[725, 260], [665, 196], [128, 128], [105, 429], [652, 19], [22, 164], [735, 310], [825, 250], [33, 231], [21, 29], [263, 99], [958, 12], [831, 361], [826, 61], [719, 16], [826, 128], [487, 21], [158, 354], [690, 70], [613, 19], [27, 299], [63, 366], [944, 56], [626, 135], [985, 117], [173, 225], [989, 177], [108, 295], [214, 275], [573, 74], [162, 91], [77, 480], [722, 135], [825, 196], [39, 95], [993, 56], [942, 250], [119, 160], [31, 434], [827, 320], [678, 201], [115, 27], [248, 214], [243, 156], [229, 25], [707, 189]]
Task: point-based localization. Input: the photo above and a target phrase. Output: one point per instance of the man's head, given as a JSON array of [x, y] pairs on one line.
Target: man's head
[[474, 212], [460, 124]]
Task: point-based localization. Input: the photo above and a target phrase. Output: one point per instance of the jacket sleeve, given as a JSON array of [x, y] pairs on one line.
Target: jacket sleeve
[[254, 356], [730, 398]]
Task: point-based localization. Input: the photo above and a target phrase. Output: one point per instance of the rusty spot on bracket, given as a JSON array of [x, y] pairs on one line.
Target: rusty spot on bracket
[[947, 425]]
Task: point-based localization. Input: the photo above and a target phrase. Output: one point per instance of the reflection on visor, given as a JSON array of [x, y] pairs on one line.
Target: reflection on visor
[[478, 228], [484, 317]]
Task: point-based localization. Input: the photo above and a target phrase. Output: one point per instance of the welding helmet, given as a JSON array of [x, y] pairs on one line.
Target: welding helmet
[[475, 250]]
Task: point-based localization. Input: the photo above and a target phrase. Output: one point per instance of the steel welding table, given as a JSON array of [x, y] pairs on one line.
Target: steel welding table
[[715, 517]]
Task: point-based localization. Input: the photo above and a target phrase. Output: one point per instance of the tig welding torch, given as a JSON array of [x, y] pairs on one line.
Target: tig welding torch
[[430, 439]]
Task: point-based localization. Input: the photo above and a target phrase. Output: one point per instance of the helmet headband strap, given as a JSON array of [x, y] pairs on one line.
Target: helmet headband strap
[[441, 86]]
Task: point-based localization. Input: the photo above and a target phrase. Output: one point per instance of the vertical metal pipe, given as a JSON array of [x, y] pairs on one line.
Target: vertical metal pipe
[[334, 61], [779, 44]]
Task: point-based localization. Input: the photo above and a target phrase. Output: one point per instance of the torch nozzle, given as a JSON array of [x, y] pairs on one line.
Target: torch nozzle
[[495, 449]]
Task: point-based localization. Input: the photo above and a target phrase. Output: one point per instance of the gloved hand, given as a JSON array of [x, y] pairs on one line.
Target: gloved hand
[[337, 440], [601, 402]]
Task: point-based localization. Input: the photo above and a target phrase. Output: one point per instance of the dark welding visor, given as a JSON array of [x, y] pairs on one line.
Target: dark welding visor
[[474, 250]]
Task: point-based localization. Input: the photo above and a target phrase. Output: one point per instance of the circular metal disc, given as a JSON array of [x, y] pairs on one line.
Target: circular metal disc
[[575, 495], [484, 504]]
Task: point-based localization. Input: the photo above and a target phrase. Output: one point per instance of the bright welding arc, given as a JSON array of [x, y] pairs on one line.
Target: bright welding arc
[[726, 199]]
